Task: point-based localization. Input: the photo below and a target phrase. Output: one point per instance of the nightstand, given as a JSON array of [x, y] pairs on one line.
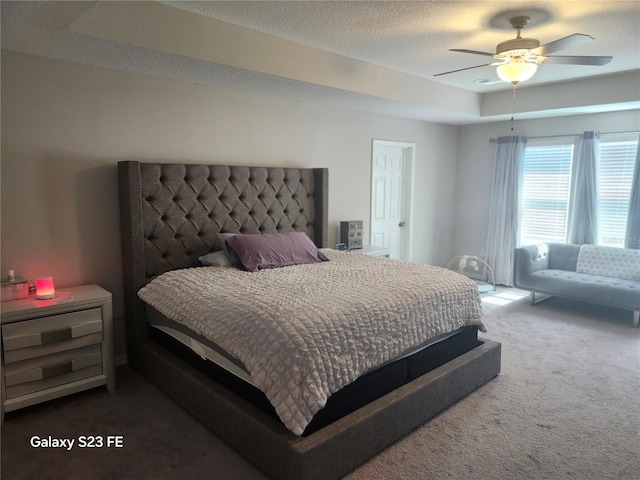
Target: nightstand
[[373, 251], [52, 348]]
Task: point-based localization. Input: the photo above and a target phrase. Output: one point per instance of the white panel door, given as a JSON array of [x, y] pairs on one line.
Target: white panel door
[[388, 197]]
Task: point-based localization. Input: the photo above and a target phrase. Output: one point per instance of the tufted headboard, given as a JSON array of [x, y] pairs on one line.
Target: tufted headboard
[[171, 214]]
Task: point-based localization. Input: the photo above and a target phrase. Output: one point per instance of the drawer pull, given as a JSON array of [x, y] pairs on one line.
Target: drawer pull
[[54, 336], [55, 370]]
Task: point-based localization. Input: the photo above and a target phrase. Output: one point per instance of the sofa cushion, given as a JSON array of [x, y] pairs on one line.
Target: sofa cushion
[[614, 262], [595, 288], [563, 256]]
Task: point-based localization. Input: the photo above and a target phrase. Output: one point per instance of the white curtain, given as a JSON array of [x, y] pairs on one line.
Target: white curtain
[[583, 207], [633, 221], [503, 216]]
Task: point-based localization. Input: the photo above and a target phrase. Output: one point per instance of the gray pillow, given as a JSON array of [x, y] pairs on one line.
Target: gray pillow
[[230, 253], [215, 259]]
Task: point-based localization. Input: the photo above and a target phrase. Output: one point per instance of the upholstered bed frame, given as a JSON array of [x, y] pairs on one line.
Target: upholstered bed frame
[[170, 215]]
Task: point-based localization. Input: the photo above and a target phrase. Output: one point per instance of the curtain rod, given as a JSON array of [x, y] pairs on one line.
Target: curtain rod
[[493, 140]]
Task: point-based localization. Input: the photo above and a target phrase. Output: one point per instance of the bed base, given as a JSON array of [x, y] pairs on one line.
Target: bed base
[[170, 215], [358, 393], [334, 450]]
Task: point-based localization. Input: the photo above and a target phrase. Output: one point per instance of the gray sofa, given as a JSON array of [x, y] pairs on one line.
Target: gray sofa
[[604, 275]]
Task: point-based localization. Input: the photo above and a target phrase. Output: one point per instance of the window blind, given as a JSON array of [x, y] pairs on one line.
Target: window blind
[[544, 195], [617, 164]]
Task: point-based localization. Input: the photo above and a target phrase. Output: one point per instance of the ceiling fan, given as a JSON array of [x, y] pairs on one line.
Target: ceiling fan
[[518, 58]]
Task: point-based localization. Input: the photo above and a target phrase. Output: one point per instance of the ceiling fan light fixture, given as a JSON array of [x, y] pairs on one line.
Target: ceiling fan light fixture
[[517, 70], [515, 44], [518, 58]]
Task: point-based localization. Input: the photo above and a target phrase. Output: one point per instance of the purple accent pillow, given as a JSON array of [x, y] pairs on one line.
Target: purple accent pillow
[[272, 250]]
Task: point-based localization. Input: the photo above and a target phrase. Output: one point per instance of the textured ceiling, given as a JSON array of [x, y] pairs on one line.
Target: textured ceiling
[[415, 37], [373, 56]]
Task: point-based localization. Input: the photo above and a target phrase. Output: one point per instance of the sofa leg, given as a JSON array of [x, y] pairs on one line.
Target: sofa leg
[[541, 296], [636, 318]]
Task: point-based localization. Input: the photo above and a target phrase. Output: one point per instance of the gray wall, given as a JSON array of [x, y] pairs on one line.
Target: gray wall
[[475, 166], [65, 126]]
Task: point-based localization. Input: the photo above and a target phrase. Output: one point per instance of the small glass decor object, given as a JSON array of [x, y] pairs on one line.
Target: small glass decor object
[[45, 290]]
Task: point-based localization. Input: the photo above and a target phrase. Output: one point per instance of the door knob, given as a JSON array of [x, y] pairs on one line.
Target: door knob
[[402, 224]]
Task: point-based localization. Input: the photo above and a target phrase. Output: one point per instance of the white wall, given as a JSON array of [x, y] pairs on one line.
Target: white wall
[[65, 126], [475, 165]]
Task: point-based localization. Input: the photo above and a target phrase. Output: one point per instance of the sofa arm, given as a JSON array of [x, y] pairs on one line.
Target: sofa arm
[[529, 259]]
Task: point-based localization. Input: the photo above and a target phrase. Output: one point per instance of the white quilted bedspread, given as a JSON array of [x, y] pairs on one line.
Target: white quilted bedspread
[[304, 332]]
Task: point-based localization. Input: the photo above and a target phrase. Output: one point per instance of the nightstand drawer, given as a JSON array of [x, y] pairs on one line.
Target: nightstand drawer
[[30, 387], [61, 363], [44, 336]]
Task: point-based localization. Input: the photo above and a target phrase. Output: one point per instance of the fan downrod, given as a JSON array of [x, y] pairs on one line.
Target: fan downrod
[[518, 44]]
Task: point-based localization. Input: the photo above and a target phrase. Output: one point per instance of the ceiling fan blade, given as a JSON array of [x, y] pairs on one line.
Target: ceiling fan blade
[[562, 43], [462, 69], [475, 52], [575, 60]]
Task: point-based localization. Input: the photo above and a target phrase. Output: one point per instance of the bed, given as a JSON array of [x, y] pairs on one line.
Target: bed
[[173, 214]]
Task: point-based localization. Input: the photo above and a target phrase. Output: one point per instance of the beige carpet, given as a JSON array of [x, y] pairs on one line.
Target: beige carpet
[[566, 406]]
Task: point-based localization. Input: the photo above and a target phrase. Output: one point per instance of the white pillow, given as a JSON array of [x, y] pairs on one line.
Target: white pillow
[[215, 259]]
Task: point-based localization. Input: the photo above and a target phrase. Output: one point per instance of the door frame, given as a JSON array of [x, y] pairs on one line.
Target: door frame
[[409, 152]]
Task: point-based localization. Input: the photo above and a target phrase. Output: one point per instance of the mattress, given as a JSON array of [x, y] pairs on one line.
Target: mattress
[[200, 345], [211, 351], [306, 331], [360, 393]]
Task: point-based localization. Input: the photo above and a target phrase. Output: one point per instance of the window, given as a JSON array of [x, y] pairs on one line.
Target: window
[[546, 188], [544, 194], [617, 164]]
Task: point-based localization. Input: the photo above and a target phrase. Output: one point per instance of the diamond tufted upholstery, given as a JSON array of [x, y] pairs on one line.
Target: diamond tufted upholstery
[[185, 206], [171, 214]]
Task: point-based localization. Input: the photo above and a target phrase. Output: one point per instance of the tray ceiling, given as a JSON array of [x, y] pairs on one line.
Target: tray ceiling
[[373, 56]]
